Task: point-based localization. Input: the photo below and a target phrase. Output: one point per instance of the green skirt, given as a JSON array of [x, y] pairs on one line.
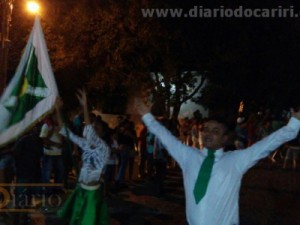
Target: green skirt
[[85, 207]]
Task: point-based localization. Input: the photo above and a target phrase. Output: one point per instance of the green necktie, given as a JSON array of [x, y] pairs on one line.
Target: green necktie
[[204, 175]]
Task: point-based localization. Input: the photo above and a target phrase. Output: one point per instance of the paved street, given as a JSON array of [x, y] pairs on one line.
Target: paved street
[[269, 195]]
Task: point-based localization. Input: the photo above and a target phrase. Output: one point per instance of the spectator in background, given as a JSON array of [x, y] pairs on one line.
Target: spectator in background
[[160, 156], [251, 129], [174, 126], [126, 144], [142, 146], [185, 130], [52, 161], [241, 133], [130, 127], [111, 166], [150, 138]]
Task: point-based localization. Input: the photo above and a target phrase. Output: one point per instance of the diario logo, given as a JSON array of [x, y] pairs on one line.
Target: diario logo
[[22, 197]]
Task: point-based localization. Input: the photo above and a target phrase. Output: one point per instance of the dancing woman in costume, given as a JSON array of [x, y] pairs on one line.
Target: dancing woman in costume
[[86, 204]]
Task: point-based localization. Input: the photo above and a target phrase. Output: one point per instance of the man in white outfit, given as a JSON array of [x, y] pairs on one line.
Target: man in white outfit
[[212, 177]]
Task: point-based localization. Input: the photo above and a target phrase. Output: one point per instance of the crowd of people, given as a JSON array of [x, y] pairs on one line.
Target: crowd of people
[[103, 158], [246, 131]]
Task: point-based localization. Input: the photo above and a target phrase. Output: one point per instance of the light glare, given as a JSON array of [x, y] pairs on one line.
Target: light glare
[[33, 7]]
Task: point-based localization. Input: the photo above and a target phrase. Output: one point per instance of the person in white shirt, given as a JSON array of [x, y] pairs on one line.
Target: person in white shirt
[[52, 160], [86, 204], [212, 178]]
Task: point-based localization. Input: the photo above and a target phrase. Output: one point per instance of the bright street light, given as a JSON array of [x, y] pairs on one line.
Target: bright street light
[[33, 7]]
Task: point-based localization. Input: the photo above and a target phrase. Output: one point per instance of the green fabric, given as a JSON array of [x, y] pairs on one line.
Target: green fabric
[[204, 176], [84, 207], [27, 101]]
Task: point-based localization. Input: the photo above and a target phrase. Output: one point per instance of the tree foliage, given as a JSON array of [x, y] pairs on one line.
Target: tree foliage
[[170, 92], [119, 49], [111, 49]]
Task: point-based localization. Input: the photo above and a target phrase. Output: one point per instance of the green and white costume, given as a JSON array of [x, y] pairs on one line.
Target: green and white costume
[[86, 205]]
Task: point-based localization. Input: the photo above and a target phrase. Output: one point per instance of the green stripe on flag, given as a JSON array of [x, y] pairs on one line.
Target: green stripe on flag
[[29, 92], [33, 74], [25, 103]]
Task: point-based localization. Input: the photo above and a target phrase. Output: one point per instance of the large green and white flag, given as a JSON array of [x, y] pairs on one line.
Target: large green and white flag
[[32, 91]]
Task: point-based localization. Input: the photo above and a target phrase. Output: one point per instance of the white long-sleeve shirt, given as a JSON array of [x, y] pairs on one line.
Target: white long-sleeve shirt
[[219, 206], [94, 156]]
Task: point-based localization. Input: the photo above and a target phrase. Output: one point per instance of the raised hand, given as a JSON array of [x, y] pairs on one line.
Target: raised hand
[[295, 114], [81, 96], [142, 105]]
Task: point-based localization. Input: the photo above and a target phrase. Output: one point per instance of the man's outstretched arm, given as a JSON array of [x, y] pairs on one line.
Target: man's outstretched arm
[[175, 147], [261, 149]]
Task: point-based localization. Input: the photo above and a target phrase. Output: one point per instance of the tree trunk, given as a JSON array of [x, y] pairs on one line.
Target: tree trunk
[[176, 111]]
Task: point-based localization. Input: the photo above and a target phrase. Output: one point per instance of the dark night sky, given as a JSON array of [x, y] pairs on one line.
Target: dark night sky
[[256, 56]]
